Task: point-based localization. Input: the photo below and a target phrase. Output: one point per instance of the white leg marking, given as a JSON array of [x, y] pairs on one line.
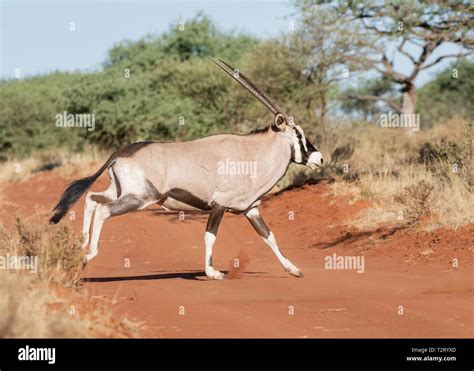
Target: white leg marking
[[292, 269], [89, 208], [90, 205], [211, 273], [101, 214], [253, 212]]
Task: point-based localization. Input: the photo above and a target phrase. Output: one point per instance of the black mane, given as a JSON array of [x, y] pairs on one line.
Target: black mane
[[259, 131]]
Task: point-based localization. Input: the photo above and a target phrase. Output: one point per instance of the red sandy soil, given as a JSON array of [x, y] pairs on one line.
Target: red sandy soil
[[165, 277]]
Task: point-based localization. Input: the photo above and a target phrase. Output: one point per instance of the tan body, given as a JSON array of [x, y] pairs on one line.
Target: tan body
[[193, 166]]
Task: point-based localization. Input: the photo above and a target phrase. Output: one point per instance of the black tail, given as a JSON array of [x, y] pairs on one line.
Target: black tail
[[75, 190]]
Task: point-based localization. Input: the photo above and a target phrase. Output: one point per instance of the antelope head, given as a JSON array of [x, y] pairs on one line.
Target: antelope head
[[302, 151]]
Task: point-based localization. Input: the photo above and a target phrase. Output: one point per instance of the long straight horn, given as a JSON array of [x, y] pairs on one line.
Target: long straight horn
[[250, 86]]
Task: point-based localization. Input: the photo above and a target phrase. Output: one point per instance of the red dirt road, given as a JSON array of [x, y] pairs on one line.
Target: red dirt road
[[150, 267]]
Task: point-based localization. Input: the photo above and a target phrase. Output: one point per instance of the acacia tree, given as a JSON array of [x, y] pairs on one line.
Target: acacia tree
[[303, 68], [411, 28], [330, 49]]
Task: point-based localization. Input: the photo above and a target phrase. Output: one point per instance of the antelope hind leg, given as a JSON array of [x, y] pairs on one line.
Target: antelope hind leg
[[254, 217]]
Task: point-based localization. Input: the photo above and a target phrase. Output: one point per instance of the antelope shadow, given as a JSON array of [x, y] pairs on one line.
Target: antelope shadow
[[186, 275]]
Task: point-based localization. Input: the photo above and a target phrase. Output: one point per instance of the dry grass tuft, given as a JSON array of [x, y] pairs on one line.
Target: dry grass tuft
[[415, 201], [69, 163], [24, 312], [414, 173], [34, 310], [40, 301], [60, 257]]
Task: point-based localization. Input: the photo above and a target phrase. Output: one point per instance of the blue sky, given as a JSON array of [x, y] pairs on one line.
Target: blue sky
[[36, 35]]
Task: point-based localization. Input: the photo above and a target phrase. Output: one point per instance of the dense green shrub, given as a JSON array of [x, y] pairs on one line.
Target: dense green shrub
[[450, 93], [161, 88]]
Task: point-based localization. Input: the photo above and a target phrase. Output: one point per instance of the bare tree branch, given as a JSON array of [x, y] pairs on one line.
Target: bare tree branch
[[427, 51], [439, 59], [424, 24], [389, 70], [400, 49]]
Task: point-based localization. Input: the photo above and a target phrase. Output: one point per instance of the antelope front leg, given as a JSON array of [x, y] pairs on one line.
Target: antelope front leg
[[254, 217], [209, 238]]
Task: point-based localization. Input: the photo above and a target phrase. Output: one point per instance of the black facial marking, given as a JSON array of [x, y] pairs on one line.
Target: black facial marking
[[259, 225], [304, 154], [292, 152], [311, 148], [217, 212]]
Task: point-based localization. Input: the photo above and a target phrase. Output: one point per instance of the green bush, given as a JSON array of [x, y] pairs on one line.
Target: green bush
[[447, 95], [172, 92]]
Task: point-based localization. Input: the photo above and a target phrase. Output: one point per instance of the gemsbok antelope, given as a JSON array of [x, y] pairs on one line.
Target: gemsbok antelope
[[192, 176]]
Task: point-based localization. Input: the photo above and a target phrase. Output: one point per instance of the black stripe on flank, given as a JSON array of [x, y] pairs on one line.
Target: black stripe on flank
[[188, 198], [118, 187], [151, 191]]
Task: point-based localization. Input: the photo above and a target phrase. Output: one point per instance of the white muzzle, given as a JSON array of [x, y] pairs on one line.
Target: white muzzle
[[315, 160]]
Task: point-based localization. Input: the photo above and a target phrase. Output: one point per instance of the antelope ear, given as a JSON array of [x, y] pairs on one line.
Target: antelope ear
[[279, 122]]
